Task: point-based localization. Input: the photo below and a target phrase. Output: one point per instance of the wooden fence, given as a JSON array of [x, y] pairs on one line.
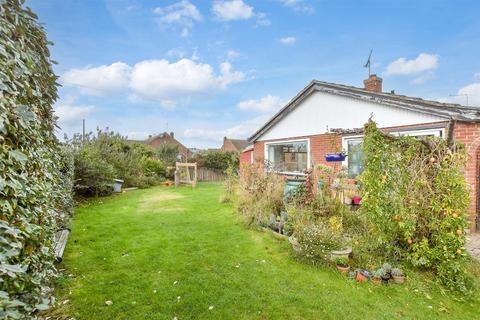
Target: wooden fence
[[204, 174]]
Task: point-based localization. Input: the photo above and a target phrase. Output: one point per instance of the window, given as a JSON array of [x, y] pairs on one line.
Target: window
[[291, 156], [355, 157], [353, 146]]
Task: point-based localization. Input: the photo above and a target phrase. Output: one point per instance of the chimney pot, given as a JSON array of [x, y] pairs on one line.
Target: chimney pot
[[373, 83], [172, 134]]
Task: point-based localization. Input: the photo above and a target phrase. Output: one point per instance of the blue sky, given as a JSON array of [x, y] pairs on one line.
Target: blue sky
[[206, 69]]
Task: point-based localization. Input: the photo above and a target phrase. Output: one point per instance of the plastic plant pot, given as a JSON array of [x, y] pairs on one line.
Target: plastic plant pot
[[356, 200], [332, 157]]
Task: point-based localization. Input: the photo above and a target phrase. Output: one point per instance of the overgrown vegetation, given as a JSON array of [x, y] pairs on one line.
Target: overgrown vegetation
[[35, 172], [415, 202], [217, 159], [413, 211], [260, 195], [104, 156]]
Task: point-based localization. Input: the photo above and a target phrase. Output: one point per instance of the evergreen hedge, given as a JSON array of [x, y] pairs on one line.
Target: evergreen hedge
[[34, 170]]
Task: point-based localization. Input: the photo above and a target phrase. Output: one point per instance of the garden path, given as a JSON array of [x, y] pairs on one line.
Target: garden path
[[473, 245]]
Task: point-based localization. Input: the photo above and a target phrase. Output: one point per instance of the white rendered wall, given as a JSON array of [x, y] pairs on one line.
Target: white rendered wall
[[325, 110]]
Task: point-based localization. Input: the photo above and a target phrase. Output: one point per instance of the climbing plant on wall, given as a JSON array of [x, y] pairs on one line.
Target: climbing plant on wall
[[34, 196], [416, 200]]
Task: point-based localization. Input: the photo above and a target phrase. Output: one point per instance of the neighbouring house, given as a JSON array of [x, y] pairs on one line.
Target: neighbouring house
[[326, 117], [235, 145], [166, 138]]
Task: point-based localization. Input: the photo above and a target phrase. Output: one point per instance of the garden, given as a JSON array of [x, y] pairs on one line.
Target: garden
[[176, 253], [411, 221]]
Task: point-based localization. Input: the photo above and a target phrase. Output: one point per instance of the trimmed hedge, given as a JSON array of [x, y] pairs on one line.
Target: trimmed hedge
[[34, 188]]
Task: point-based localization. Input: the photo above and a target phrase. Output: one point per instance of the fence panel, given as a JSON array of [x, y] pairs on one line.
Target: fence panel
[[205, 174]]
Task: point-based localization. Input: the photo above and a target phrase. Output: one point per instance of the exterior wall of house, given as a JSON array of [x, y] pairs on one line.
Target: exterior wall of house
[[469, 134], [322, 111]]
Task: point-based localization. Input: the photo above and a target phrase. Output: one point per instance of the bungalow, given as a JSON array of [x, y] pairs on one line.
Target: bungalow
[[326, 117]]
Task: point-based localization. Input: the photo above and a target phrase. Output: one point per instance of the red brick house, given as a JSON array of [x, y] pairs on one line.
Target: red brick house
[[165, 138], [234, 145], [325, 117]]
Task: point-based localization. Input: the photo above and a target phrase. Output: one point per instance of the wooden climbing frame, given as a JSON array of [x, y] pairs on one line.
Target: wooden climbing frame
[[186, 173]]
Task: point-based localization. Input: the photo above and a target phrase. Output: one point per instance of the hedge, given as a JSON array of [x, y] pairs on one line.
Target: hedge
[[35, 192]]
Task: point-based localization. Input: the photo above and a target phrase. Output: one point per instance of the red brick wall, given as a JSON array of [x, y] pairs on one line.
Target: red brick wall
[[469, 134], [245, 157]]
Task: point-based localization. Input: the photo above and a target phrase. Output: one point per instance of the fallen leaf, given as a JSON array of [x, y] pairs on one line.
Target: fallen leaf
[[210, 308], [108, 303]]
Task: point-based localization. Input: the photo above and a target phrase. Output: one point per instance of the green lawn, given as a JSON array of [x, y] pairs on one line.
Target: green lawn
[[162, 253]]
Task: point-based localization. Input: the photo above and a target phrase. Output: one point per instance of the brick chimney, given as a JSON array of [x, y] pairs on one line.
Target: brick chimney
[[373, 83]]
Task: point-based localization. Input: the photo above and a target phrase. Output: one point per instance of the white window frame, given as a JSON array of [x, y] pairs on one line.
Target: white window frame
[[265, 151], [436, 132]]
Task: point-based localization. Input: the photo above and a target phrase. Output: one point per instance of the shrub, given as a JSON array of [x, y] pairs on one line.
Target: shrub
[[33, 194], [317, 241], [107, 155], [260, 194], [167, 154], [217, 160], [230, 185], [416, 200]]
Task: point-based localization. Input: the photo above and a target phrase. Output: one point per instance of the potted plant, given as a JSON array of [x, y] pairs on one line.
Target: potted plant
[[398, 275], [387, 269], [362, 276], [342, 264], [378, 276]]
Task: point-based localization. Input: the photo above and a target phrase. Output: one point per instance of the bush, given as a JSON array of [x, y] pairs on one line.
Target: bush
[[217, 160], [317, 241], [34, 196], [93, 173], [416, 201], [107, 155], [167, 154], [260, 194]]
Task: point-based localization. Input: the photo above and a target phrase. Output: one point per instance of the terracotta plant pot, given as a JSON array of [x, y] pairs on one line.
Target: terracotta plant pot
[[343, 269], [399, 279], [360, 277]]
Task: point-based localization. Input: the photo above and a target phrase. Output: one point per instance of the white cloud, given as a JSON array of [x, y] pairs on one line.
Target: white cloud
[[473, 92], [402, 66], [182, 13], [423, 78], [299, 6], [229, 76], [242, 130], [268, 103], [232, 54], [68, 112], [99, 81], [232, 10], [163, 81], [156, 80], [288, 40], [262, 20]]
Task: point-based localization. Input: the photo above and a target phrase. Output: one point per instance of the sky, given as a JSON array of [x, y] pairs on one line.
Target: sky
[[208, 69]]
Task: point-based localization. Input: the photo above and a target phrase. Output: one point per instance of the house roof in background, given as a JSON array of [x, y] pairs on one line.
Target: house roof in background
[[443, 110], [240, 144]]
